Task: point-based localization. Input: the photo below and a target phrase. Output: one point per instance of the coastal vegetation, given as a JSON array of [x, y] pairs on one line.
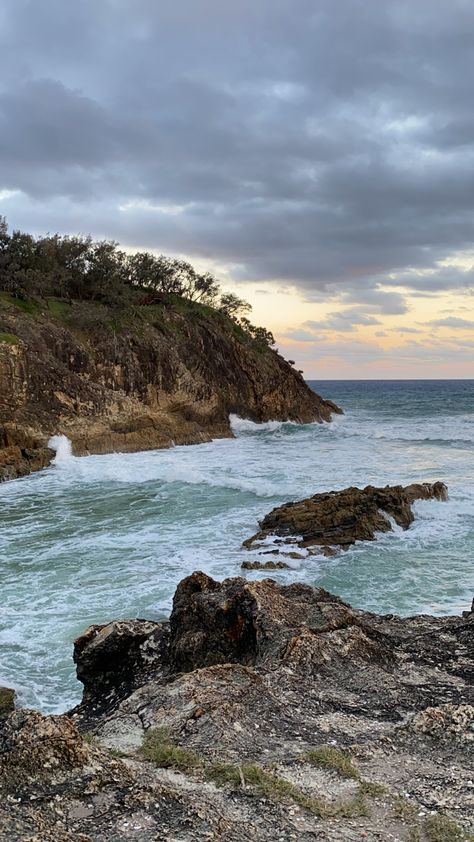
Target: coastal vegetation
[[160, 748], [62, 269]]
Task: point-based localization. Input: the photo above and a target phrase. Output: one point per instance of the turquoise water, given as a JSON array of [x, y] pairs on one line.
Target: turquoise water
[[102, 537]]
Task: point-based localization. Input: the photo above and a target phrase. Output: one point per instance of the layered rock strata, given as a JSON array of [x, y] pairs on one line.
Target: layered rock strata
[[340, 518], [134, 380]]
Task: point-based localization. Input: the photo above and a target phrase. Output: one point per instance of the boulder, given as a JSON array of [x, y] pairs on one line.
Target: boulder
[[115, 658], [340, 518]]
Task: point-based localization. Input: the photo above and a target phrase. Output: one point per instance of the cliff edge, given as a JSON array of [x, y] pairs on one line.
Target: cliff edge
[[133, 378]]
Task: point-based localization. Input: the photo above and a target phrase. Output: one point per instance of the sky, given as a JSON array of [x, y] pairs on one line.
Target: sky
[[317, 156]]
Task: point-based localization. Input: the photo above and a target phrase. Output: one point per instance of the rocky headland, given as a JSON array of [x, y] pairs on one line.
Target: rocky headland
[[133, 378], [337, 519], [258, 711]]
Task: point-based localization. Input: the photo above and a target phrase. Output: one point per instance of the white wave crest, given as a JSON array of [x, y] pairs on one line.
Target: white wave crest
[[244, 425], [63, 448], [190, 476]]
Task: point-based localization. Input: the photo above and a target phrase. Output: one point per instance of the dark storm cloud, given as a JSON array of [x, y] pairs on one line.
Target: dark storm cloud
[[324, 145]]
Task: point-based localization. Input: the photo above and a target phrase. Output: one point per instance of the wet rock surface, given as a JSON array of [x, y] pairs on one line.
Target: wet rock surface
[[340, 518], [7, 701], [264, 565], [272, 712]]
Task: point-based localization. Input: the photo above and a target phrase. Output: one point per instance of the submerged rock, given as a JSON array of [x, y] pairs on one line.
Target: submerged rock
[[340, 518]]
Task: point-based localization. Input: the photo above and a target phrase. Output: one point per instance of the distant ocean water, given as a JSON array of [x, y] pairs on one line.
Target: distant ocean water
[[94, 539]]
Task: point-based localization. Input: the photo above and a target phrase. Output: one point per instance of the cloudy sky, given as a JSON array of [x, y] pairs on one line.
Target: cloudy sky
[[317, 155]]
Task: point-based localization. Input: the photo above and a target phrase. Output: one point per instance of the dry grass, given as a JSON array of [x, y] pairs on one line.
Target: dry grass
[[265, 784], [442, 829]]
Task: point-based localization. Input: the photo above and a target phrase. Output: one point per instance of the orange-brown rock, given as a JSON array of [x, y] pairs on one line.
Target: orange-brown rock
[[138, 379], [340, 518]]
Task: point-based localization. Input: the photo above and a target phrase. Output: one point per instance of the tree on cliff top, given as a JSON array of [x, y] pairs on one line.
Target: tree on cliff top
[[80, 268]]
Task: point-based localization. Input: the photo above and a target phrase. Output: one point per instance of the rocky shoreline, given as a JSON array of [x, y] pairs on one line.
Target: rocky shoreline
[[337, 519], [258, 711], [138, 379]]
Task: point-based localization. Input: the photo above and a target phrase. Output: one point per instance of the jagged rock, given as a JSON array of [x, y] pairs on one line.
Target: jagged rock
[[340, 518], [21, 451], [7, 701], [265, 565], [32, 744], [244, 622], [150, 382], [261, 673], [115, 658], [447, 722], [58, 787]]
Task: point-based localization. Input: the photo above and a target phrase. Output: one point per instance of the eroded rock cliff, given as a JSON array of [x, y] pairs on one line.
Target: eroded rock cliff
[[136, 379]]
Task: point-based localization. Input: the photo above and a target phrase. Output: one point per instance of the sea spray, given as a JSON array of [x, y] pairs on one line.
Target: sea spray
[[62, 446]]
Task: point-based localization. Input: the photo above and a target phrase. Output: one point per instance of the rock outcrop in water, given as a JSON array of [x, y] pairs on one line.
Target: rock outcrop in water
[[131, 380], [340, 518], [265, 712]]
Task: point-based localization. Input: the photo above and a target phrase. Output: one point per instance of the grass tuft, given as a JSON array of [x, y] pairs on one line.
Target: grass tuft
[[330, 757], [404, 809], [442, 829], [160, 749], [372, 789], [9, 338], [265, 784]]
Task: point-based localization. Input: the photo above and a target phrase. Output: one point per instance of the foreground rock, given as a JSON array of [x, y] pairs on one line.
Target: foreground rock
[[268, 712], [340, 518], [138, 379]]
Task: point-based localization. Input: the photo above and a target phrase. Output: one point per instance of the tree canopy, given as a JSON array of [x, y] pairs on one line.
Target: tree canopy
[[80, 268]]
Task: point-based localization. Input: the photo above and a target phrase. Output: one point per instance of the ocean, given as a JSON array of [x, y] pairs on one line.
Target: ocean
[[105, 537]]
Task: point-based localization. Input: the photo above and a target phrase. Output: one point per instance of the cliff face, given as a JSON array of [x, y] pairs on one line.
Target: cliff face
[[131, 380]]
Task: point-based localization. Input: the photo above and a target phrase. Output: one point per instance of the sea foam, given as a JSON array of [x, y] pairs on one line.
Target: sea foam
[[62, 446]]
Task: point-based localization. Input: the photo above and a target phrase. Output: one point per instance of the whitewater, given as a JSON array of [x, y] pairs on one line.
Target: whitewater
[[98, 538]]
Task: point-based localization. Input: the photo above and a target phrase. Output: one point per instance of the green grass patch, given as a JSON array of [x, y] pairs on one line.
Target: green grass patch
[[442, 829], [57, 308], [160, 749], [9, 338], [27, 305], [265, 784], [336, 759]]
